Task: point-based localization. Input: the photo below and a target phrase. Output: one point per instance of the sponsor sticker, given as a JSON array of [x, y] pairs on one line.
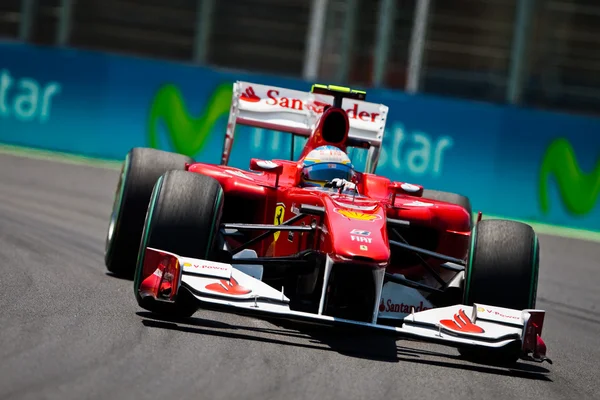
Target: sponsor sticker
[[418, 204], [461, 323], [360, 232], [390, 306], [487, 312], [361, 239], [249, 95], [279, 218], [210, 267], [205, 267], [357, 215], [238, 173], [363, 247], [287, 99], [230, 287]]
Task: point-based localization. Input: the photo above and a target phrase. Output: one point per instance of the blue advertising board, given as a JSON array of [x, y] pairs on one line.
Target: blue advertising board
[[514, 162]]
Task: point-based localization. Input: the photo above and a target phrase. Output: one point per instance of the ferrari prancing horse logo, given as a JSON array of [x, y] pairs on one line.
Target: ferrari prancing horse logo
[[279, 215]]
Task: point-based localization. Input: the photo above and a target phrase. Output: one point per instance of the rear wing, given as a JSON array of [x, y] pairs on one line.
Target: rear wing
[[297, 112]]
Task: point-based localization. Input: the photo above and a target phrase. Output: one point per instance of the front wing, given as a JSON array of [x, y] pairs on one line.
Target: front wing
[[238, 289]]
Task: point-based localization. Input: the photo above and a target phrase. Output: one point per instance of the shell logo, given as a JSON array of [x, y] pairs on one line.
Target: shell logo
[[357, 215]]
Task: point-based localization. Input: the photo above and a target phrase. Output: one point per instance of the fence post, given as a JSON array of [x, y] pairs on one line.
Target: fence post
[[314, 39], [26, 23], [204, 19], [518, 58], [385, 24], [349, 31], [63, 31], [417, 46]]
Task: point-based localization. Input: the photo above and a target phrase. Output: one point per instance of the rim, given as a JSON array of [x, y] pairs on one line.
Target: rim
[[116, 210], [467, 284], [534, 272], [145, 233]]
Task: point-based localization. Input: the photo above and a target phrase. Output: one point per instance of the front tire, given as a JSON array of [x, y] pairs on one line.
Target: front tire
[[184, 217], [503, 265], [502, 271], [140, 171]]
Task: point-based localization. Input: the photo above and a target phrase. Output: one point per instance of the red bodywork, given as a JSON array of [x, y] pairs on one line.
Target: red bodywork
[[274, 196], [350, 257]]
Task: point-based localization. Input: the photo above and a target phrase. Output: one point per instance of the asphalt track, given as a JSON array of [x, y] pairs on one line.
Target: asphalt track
[[69, 330]]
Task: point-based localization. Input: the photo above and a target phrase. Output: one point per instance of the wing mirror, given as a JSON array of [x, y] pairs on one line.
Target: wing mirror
[[404, 188], [267, 166]]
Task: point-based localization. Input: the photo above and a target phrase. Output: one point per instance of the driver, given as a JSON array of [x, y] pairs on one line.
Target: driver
[[327, 166]]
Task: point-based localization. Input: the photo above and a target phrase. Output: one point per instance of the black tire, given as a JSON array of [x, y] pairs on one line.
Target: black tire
[[140, 171], [184, 216], [448, 197], [503, 265], [502, 270]]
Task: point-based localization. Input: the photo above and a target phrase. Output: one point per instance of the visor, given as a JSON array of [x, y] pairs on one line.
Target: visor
[[325, 172]]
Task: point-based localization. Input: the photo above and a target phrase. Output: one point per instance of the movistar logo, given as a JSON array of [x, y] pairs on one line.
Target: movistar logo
[[188, 133], [578, 190]]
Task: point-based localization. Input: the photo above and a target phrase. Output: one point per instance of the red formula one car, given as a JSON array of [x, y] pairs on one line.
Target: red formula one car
[[316, 240]]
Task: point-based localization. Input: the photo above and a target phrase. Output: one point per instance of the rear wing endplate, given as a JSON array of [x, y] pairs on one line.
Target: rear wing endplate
[[297, 112]]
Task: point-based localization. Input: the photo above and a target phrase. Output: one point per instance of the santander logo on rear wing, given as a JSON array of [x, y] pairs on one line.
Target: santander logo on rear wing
[[297, 112]]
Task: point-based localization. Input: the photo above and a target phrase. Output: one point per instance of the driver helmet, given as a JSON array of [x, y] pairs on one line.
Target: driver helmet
[[324, 164]]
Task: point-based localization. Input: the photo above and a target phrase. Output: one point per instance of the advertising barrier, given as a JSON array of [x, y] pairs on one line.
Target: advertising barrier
[[513, 162]]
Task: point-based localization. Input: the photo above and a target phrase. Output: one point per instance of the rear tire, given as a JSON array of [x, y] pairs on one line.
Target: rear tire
[[183, 217], [502, 271], [140, 171], [448, 197]]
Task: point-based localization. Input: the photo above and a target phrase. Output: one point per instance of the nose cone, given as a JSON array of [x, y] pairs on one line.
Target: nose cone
[[359, 233]]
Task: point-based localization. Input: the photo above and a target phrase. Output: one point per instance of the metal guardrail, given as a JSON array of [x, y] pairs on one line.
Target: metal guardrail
[[533, 52]]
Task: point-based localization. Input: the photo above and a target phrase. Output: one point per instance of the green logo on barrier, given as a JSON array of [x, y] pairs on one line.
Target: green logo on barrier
[[579, 190], [187, 133]]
